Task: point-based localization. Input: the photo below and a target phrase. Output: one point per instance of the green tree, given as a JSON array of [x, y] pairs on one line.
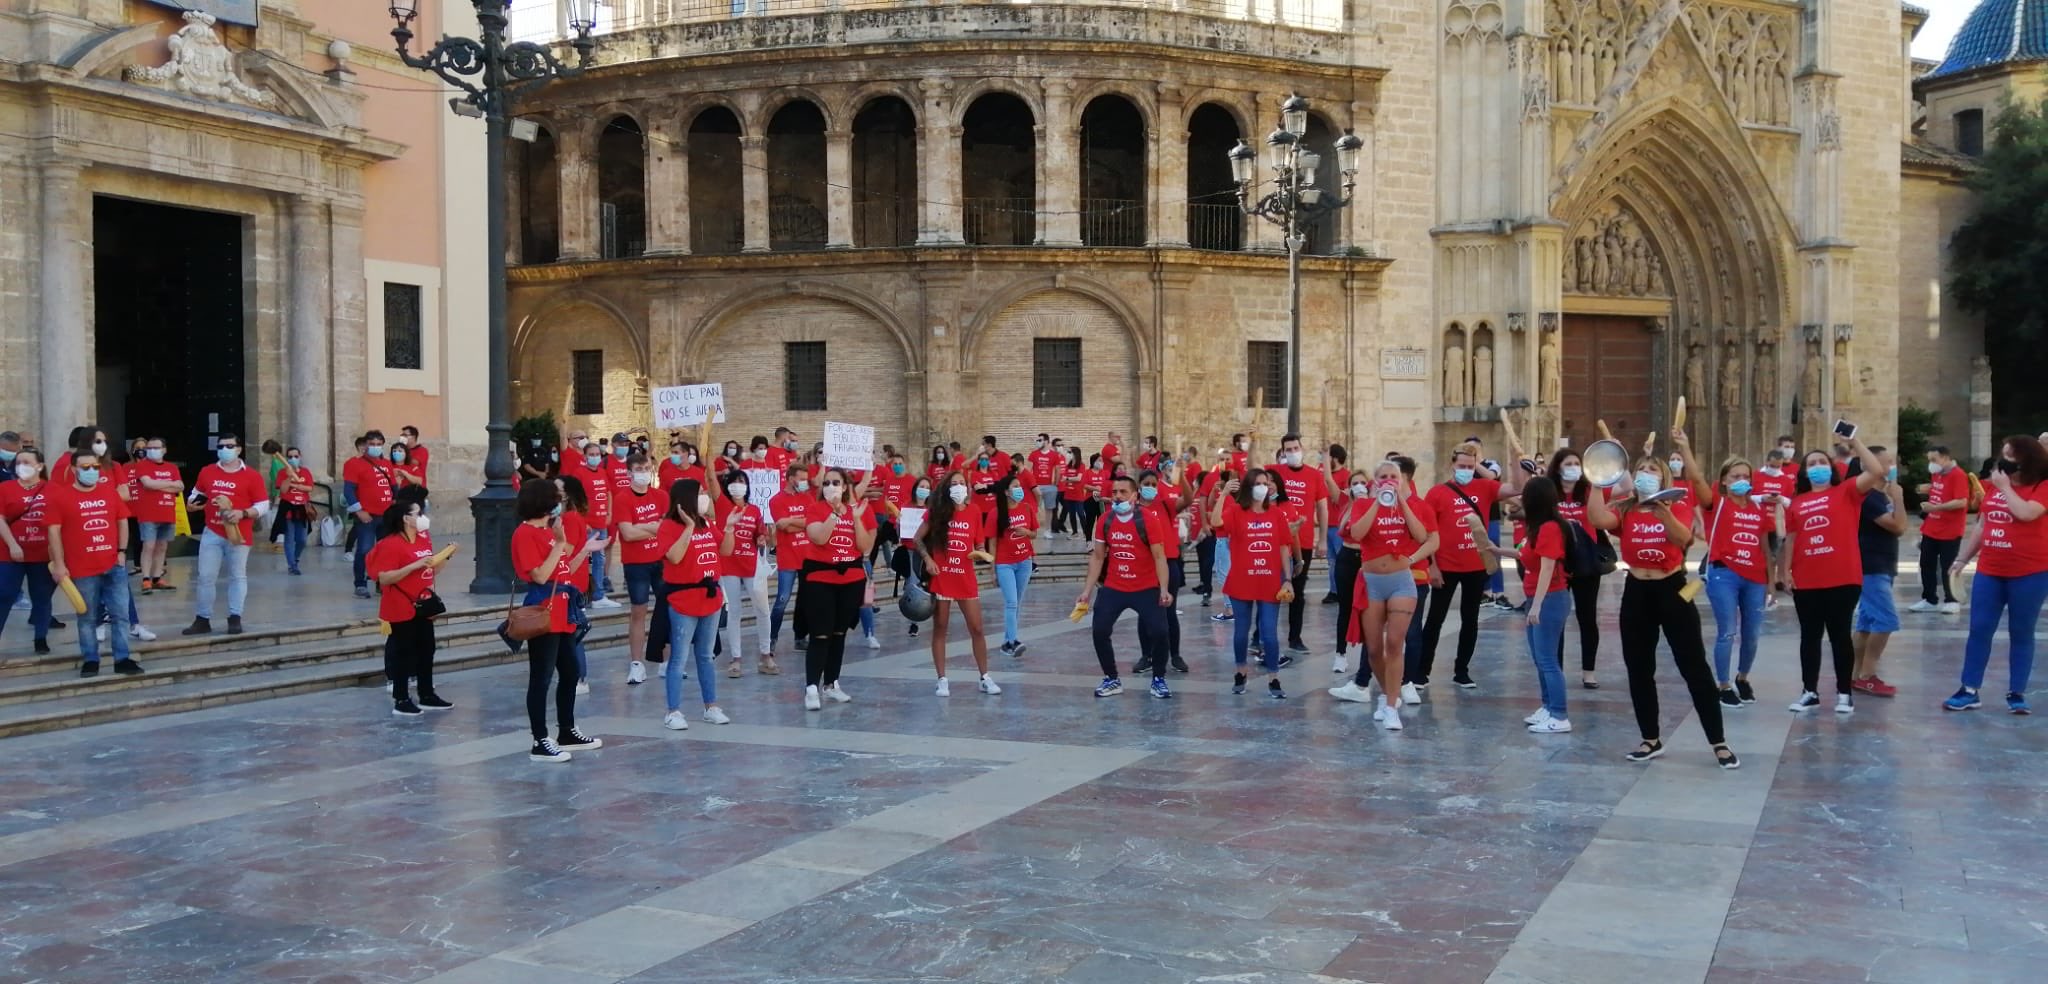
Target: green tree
[[1999, 262], [1917, 429]]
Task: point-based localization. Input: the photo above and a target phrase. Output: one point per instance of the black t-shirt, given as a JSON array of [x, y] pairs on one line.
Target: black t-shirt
[[539, 459], [1880, 546]]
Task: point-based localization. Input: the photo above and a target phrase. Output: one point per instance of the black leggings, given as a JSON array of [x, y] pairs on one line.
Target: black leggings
[[828, 612], [409, 652], [1936, 556], [1205, 563], [1470, 589], [1176, 579], [547, 656], [1651, 607], [1830, 610], [1298, 608], [1585, 605], [1347, 563]]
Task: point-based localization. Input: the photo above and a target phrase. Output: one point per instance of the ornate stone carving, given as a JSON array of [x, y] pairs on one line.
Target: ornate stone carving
[[1810, 381], [1609, 254], [1517, 321], [1589, 40], [1827, 134], [1731, 371], [201, 65], [1750, 52], [1696, 373], [1536, 97], [1454, 376], [1482, 375], [1766, 366], [1549, 371], [1845, 386]]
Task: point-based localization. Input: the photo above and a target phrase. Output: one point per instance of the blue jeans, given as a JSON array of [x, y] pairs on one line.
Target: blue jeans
[[1333, 542], [1012, 579], [214, 548], [700, 632], [294, 542], [597, 579], [1989, 595], [1111, 603], [1222, 566], [37, 579], [1494, 584], [1544, 638], [1738, 604], [785, 589], [1876, 611], [1268, 615], [110, 589], [362, 537]]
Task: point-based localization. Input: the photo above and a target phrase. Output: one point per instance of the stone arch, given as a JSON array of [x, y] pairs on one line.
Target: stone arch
[[773, 101], [745, 342], [1102, 390], [1237, 104], [1146, 103], [858, 100], [973, 342], [543, 361], [745, 300], [1010, 87], [602, 114], [686, 112]]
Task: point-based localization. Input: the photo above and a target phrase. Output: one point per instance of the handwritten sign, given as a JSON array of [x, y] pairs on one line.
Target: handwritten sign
[[687, 406], [849, 446], [909, 520], [762, 484], [1404, 363]]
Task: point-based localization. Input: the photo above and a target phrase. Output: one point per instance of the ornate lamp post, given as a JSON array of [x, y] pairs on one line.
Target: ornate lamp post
[[1293, 204], [494, 72]]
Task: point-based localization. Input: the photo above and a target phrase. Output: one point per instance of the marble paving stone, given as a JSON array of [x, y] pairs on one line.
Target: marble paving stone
[[1543, 964], [1659, 867], [755, 890], [1643, 922], [498, 970], [625, 941]]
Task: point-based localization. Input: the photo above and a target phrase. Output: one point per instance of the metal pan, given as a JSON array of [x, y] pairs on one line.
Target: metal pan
[[1605, 463]]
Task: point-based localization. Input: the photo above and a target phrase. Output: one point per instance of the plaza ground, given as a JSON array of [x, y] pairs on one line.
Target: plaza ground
[[1042, 835]]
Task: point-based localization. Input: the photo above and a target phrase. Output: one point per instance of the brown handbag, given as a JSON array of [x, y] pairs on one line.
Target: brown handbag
[[528, 622]]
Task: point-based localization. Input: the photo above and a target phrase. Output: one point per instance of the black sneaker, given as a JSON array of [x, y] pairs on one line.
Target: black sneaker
[[362, 591], [1141, 668], [575, 738], [1237, 683], [91, 669], [1743, 691], [404, 707], [1729, 698], [1330, 599], [1273, 690], [1179, 665], [1725, 757], [42, 647], [54, 624], [545, 750], [1646, 751], [234, 625], [433, 702], [913, 633], [1016, 649], [1286, 660], [199, 626], [127, 667], [1465, 681]]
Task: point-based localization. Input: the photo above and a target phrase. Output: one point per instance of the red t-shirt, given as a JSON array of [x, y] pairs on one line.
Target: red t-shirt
[[1644, 543], [418, 455], [636, 509], [779, 459], [1388, 536], [576, 526], [1148, 461], [1347, 517], [1043, 462], [1572, 509], [90, 525], [790, 548], [1014, 544], [597, 486], [1548, 542], [668, 473], [293, 497], [531, 545], [621, 478], [150, 505], [395, 600], [22, 508], [1949, 486], [1258, 543], [1735, 537], [1075, 485], [412, 469], [1101, 480], [842, 547], [1305, 487], [897, 489], [1109, 455], [1822, 524], [2011, 548], [700, 562], [745, 521], [1782, 484], [373, 482], [243, 488], [1459, 553], [953, 576], [1127, 562]]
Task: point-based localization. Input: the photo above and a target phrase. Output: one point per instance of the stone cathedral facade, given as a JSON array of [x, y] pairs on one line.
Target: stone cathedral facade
[[959, 218]]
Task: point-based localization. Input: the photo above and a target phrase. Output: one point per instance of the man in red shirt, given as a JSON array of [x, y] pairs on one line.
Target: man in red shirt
[[86, 525], [787, 511], [1112, 452], [587, 462], [416, 453], [1773, 486], [234, 497], [638, 513], [1129, 561], [158, 487], [1944, 514], [1308, 491], [782, 453], [1459, 568], [1044, 460], [621, 478], [367, 484]]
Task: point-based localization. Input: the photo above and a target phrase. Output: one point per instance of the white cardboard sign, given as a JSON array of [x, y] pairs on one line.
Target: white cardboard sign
[[849, 446], [909, 520], [762, 484], [676, 407]]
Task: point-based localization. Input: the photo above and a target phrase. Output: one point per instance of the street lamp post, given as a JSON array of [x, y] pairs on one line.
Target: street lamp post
[[494, 72], [1294, 202]]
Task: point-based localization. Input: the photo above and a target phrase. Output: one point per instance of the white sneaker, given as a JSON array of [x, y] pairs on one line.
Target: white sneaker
[[874, 643], [582, 688], [811, 701], [1551, 726], [1379, 711], [1342, 664], [1391, 719], [605, 604], [1410, 694], [836, 695], [988, 686], [1843, 705], [1352, 692], [944, 690], [675, 721], [141, 632], [1542, 714], [1807, 701], [713, 715], [101, 633], [1951, 607], [636, 672], [1923, 605]]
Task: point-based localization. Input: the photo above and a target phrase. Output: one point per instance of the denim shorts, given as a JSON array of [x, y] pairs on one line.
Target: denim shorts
[[641, 580], [1384, 587], [1876, 611], [154, 532]]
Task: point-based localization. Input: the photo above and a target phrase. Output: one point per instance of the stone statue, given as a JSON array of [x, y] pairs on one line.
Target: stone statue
[[1482, 375], [1845, 387], [1696, 374], [1598, 281], [1564, 71], [1766, 368], [1809, 382], [1614, 259], [200, 65], [1454, 376], [1731, 373], [1549, 372]]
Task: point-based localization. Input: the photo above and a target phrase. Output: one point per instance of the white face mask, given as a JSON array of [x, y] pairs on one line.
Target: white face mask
[[26, 473], [736, 489], [1292, 458], [1934, 468], [1571, 474], [803, 485], [958, 493], [1244, 445], [99, 448], [420, 523], [1677, 465], [833, 492], [1772, 470], [703, 504], [1260, 493], [641, 480], [1359, 490]]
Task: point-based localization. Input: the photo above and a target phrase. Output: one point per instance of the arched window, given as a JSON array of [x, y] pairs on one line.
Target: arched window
[[885, 174], [539, 191], [1215, 221], [1112, 173], [717, 222], [998, 171], [796, 178], [621, 189]]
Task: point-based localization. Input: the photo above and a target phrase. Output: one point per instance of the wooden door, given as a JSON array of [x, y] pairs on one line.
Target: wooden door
[[1607, 360]]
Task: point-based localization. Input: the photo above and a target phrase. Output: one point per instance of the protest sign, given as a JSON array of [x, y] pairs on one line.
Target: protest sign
[[849, 446], [676, 407]]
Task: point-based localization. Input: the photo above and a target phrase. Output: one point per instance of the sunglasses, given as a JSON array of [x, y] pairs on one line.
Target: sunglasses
[[831, 485]]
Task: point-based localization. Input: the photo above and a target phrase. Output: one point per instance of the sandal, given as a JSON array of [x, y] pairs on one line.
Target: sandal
[[1725, 757], [1647, 751]]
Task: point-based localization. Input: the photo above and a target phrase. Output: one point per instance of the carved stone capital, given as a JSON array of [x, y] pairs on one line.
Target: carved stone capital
[[1517, 321], [1810, 333], [1845, 332], [1548, 321]]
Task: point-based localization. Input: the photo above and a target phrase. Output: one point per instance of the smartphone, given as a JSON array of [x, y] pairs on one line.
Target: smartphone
[[1845, 430]]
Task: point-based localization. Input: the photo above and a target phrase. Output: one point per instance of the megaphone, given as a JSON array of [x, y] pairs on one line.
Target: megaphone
[[1605, 463]]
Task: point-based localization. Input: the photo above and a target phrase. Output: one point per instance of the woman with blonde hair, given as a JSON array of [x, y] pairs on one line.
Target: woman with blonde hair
[[1740, 523]]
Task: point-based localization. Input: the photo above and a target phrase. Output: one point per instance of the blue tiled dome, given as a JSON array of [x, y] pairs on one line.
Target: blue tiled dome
[[1998, 32]]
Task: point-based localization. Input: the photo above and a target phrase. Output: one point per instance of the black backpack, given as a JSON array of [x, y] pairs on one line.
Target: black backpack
[[1582, 557]]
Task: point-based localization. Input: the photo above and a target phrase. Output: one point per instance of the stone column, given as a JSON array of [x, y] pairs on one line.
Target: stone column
[[939, 177], [1060, 195], [754, 192], [576, 154], [308, 350], [1168, 183], [348, 327], [838, 189], [668, 187], [66, 365]]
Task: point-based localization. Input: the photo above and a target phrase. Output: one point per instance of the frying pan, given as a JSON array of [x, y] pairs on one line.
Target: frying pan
[[1672, 494], [1605, 463]]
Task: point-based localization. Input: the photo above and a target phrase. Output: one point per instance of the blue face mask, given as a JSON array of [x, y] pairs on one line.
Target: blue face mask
[[227, 455], [1739, 487], [593, 460], [1891, 474], [1463, 475], [557, 511], [676, 459], [374, 450], [6, 457], [1148, 493], [88, 477], [620, 452], [1819, 475], [923, 494], [1124, 508], [896, 468], [157, 454], [1016, 493], [1647, 484]]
